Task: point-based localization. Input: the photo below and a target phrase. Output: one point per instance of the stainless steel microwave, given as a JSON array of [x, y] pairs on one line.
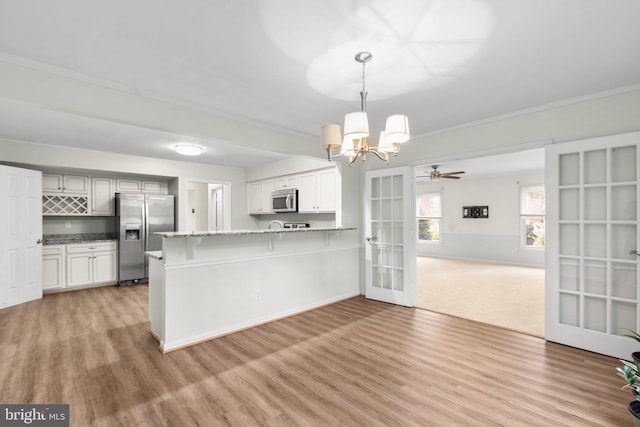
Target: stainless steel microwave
[[285, 200]]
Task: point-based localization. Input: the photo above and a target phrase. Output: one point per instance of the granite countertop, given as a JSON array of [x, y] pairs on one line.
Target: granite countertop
[[154, 254], [248, 232], [67, 239]]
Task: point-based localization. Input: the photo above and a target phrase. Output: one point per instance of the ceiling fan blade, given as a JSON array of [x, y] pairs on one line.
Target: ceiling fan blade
[[449, 176], [452, 173]]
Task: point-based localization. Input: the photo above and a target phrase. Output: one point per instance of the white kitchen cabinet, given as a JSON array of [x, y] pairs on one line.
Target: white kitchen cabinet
[[102, 196], [157, 187], [91, 263], [127, 185], [53, 267], [259, 196], [285, 182], [59, 183], [317, 191]]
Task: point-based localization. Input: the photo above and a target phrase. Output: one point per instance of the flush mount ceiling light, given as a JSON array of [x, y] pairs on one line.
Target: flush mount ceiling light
[[188, 149], [356, 130]]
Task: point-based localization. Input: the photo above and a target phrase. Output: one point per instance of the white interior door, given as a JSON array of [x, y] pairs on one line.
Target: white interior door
[[20, 236], [592, 288], [390, 248]]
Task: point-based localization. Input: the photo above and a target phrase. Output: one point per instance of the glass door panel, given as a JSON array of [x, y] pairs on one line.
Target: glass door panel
[[390, 272], [592, 218]]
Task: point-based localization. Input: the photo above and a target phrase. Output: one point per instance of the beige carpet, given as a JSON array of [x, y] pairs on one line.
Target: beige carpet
[[501, 295]]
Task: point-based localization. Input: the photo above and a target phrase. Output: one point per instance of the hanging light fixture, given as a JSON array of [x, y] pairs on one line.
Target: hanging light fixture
[[356, 130]]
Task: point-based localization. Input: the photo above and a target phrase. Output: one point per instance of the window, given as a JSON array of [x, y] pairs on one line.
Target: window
[[429, 214], [532, 217]]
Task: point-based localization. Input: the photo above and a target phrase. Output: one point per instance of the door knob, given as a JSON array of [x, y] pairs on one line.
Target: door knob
[[634, 252]]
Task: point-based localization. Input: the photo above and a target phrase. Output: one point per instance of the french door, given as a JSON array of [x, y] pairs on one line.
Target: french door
[[390, 248], [20, 235], [592, 289]]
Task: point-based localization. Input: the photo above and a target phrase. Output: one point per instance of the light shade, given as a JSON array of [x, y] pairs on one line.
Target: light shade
[[356, 125], [397, 128], [331, 136], [349, 146], [383, 145], [188, 149]]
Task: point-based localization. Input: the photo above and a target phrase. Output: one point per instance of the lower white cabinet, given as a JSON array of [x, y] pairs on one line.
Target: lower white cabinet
[[91, 263], [53, 267]]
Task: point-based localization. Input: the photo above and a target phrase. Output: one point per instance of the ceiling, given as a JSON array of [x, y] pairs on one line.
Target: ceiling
[[520, 162], [289, 65]]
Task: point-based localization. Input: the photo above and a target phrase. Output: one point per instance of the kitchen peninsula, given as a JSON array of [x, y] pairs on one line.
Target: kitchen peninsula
[[208, 284]]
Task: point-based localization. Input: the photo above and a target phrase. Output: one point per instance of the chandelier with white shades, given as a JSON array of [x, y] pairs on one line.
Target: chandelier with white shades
[[356, 130]]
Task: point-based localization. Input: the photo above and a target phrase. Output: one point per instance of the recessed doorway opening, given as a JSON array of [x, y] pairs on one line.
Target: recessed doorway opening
[[487, 267]]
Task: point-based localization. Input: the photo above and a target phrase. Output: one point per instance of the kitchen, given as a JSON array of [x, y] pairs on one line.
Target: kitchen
[[103, 226]]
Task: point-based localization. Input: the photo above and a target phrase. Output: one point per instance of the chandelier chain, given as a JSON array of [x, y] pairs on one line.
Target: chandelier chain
[[363, 92]]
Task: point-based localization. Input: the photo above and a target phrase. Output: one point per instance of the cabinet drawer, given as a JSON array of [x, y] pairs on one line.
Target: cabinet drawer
[[90, 247], [52, 249]]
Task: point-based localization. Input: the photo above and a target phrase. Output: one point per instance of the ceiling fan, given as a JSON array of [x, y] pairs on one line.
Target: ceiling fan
[[436, 174]]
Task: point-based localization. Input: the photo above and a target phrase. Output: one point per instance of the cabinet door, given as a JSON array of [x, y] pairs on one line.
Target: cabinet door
[[267, 188], [286, 182], [128, 186], [51, 183], [102, 196], [326, 191], [52, 272], [254, 199], [307, 192], [156, 187], [75, 184], [79, 269], [104, 267]]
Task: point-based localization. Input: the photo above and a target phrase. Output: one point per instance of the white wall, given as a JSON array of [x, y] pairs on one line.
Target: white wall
[[493, 239]]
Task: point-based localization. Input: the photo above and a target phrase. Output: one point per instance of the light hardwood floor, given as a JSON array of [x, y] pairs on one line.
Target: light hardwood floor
[[354, 363]]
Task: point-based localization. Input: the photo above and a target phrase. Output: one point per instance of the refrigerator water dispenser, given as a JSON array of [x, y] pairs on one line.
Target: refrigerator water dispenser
[[132, 232]]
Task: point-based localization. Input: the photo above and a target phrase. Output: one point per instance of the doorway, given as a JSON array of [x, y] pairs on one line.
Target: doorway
[[472, 259], [208, 206]]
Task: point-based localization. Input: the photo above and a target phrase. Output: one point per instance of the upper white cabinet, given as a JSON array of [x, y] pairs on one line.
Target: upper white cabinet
[[259, 196], [127, 185], [159, 187], [59, 183], [66, 195], [102, 196], [317, 191], [285, 182]]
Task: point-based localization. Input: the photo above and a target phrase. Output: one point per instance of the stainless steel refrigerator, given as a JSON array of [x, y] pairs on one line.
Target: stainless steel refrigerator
[[138, 216]]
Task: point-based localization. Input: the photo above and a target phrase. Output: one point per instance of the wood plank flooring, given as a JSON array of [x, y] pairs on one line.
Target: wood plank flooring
[[354, 363]]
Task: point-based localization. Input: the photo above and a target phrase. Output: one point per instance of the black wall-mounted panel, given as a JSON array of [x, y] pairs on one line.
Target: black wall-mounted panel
[[475, 212]]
